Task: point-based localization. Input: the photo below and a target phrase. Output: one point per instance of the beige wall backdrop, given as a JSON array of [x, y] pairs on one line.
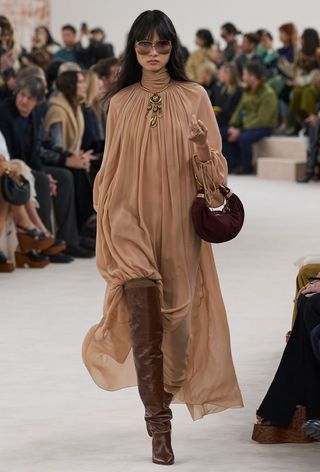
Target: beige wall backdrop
[[25, 15], [116, 16]]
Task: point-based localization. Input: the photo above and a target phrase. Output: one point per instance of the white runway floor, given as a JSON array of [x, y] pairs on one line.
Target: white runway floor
[[55, 419]]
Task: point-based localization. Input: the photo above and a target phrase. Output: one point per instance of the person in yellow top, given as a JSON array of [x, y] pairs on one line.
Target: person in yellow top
[[207, 51]]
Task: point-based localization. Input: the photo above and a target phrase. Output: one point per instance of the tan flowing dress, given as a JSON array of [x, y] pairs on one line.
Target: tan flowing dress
[[143, 195]]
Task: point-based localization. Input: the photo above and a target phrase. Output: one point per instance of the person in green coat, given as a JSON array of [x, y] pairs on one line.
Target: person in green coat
[[254, 119]]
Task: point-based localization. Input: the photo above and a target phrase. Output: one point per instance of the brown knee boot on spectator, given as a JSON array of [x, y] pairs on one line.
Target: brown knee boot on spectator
[[146, 332]]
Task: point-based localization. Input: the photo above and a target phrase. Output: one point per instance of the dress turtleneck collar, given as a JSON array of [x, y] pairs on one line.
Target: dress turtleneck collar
[[155, 81]]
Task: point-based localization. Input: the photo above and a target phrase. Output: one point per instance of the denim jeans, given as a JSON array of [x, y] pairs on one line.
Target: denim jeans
[[240, 152]]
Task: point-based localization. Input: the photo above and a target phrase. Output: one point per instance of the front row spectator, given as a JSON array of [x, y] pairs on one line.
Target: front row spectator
[[254, 119], [21, 124], [27, 242], [312, 164], [64, 122], [294, 393]]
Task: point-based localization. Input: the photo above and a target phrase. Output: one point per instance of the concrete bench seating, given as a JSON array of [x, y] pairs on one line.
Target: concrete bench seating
[[280, 158]]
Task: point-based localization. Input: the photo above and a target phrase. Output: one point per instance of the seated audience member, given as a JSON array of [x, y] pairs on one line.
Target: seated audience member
[[68, 52], [227, 95], [208, 78], [107, 70], [248, 52], [9, 58], [313, 150], [21, 123], [53, 159], [65, 124], [94, 47], [29, 230], [282, 81], [207, 51], [7, 84], [267, 52], [307, 273], [92, 138], [254, 119], [10, 50], [43, 47], [51, 74], [229, 33], [42, 39], [293, 396], [303, 102]]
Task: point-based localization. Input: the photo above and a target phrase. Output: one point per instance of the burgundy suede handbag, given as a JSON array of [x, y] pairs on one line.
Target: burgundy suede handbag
[[218, 226]]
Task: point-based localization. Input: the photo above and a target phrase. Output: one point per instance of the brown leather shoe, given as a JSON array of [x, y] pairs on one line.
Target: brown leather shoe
[[146, 332], [264, 432]]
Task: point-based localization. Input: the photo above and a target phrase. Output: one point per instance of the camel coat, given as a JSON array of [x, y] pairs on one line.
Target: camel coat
[[143, 195], [60, 111]]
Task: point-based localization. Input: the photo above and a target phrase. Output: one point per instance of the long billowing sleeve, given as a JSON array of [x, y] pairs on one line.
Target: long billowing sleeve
[[213, 172]]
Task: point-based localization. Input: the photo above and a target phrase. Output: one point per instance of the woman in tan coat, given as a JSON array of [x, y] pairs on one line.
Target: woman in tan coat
[[65, 124], [163, 311]]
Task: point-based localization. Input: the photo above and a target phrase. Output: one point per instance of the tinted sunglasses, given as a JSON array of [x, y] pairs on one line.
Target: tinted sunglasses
[[163, 46]]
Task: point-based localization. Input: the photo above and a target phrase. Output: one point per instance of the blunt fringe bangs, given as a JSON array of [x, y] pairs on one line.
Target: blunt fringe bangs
[[148, 23]]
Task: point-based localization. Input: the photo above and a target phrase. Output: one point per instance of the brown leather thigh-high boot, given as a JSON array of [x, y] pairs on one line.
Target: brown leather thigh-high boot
[[146, 332]]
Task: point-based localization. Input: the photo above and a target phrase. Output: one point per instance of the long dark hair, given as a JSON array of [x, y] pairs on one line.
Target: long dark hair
[[148, 23], [50, 39], [66, 83], [311, 41], [206, 36]]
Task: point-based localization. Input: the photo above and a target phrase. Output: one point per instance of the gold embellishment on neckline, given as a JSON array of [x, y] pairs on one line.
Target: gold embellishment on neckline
[[154, 106]]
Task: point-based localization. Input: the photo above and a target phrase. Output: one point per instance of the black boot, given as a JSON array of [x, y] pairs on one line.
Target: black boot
[[309, 175], [147, 331]]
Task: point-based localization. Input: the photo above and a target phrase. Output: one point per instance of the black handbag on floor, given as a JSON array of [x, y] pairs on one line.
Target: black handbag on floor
[[15, 190]]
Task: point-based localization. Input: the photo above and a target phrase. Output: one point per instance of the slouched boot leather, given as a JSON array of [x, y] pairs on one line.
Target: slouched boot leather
[[147, 332]]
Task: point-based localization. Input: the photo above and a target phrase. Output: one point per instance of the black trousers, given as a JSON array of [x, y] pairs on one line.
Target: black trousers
[[83, 196], [64, 205], [43, 196], [314, 145], [297, 381]]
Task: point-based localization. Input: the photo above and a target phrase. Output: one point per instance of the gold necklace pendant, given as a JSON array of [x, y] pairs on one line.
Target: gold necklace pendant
[[154, 106]]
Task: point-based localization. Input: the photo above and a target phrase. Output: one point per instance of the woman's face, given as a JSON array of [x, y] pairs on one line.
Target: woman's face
[[42, 36], [224, 75], [81, 87], [284, 37], [199, 42], [153, 58]]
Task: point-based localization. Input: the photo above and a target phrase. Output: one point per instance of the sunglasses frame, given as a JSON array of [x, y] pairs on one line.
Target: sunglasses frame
[[153, 44]]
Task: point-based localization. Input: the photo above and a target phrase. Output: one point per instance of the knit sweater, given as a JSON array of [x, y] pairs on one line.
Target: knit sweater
[[257, 109]]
